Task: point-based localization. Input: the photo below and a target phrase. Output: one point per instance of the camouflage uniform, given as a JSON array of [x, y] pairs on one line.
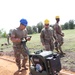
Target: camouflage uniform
[[47, 38], [18, 47], [8, 38], [58, 31]]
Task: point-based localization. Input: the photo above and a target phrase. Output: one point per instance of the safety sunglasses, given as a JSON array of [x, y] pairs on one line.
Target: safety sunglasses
[[46, 24]]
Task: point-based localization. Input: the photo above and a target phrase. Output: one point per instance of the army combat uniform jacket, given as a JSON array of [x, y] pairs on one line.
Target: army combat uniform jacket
[[18, 47], [47, 37]]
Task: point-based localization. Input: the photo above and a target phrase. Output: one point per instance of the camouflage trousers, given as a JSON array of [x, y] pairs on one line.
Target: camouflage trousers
[[60, 39], [8, 40], [60, 43], [18, 52], [49, 46]]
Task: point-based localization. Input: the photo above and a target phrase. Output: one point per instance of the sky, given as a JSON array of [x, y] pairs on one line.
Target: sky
[[11, 11]]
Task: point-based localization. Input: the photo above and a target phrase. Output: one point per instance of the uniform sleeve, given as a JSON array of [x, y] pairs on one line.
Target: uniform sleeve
[[26, 32], [54, 35], [60, 30], [53, 32], [57, 29], [13, 34], [42, 37]]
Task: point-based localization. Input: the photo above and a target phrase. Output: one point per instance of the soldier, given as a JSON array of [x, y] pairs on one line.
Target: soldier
[[16, 36], [8, 38], [59, 34], [47, 36]]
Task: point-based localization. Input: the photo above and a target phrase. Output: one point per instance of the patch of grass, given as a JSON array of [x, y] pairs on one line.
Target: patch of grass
[[4, 47], [35, 44], [69, 39]]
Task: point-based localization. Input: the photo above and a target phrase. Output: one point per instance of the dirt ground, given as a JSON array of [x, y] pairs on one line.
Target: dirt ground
[[8, 65], [68, 61]]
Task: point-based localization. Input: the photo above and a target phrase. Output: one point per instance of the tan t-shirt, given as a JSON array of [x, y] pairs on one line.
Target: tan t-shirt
[[19, 34]]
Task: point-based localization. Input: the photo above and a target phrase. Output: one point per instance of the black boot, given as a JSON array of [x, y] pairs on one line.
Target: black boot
[[24, 67], [19, 68]]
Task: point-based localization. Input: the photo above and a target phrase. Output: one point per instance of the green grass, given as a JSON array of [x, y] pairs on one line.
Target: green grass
[[69, 39], [35, 44], [3, 41]]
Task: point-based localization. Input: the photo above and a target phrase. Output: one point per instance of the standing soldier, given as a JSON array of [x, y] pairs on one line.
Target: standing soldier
[[47, 36], [16, 36], [59, 34], [8, 37]]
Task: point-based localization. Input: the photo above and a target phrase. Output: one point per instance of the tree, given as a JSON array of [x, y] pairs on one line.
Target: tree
[[62, 26], [3, 33], [29, 29], [71, 24], [66, 25], [0, 33], [10, 31], [34, 29], [40, 26]]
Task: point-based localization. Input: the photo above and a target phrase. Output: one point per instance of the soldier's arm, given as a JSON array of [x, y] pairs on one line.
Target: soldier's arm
[[62, 34], [58, 30], [28, 38], [42, 37], [26, 32], [14, 39], [54, 35]]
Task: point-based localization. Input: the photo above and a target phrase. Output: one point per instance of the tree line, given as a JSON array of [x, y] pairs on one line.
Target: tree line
[[37, 28], [68, 25]]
